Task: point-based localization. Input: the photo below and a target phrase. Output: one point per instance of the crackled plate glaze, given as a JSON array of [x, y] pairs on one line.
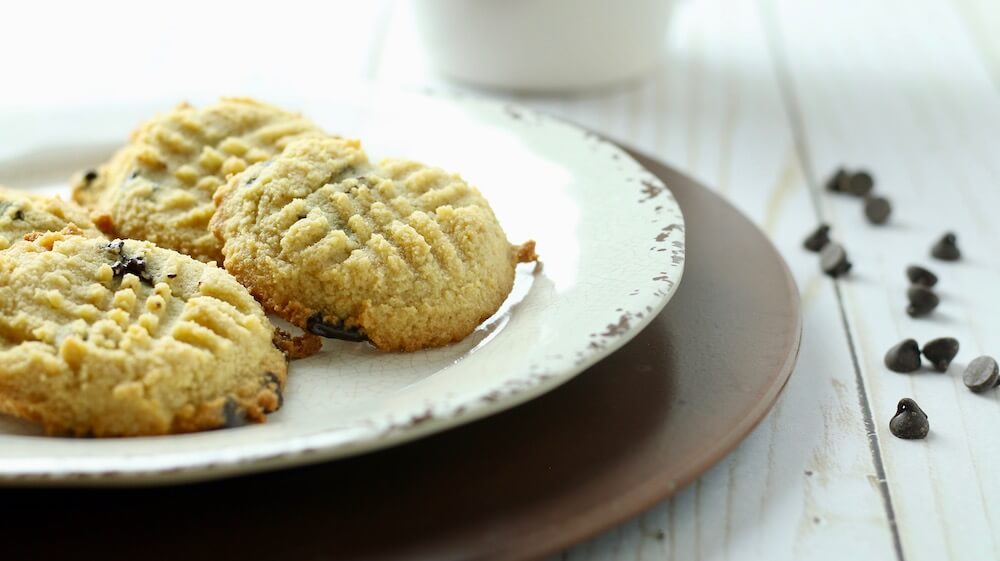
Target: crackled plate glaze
[[609, 233]]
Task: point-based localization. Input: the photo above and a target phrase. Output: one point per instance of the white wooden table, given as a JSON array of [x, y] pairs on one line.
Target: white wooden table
[[761, 100]]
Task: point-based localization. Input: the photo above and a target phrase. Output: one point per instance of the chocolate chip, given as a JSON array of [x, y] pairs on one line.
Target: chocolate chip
[[124, 265], [904, 357], [171, 275], [920, 275], [134, 265], [838, 181], [318, 326], [923, 300], [833, 260], [4, 205], [877, 209], [981, 374], [232, 414], [90, 176], [818, 239], [860, 184], [272, 381], [946, 249], [134, 174], [250, 181], [131, 265], [115, 246], [910, 422], [941, 352]]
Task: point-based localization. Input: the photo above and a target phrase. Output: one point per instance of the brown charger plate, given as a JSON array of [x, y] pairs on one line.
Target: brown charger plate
[[606, 446]]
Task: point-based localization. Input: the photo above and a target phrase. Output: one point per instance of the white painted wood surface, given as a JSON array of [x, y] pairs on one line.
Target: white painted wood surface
[[760, 100]]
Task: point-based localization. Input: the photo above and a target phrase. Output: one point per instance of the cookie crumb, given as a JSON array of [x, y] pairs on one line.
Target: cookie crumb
[[296, 347], [526, 252]]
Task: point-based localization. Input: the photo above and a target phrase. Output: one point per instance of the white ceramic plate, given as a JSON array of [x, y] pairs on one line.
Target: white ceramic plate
[[610, 236]]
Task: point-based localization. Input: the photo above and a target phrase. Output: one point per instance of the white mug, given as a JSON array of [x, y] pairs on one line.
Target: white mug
[[543, 45]]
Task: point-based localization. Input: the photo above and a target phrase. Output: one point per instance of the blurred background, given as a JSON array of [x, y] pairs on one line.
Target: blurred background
[[65, 52], [687, 80]]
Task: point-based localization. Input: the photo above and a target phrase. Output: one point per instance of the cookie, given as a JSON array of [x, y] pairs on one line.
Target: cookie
[[125, 338], [159, 187], [401, 254], [22, 213]]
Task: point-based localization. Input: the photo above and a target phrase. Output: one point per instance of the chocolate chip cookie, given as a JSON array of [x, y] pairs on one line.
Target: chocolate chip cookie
[[125, 338], [22, 213], [400, 254], [159, 187]]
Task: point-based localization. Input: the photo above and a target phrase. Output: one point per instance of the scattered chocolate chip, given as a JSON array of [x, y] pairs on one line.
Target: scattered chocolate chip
[[833, 260], [232, 414], [981, 374], [171, 275], [90, 176], [904, 357], [946, 249], [317, 326], [838, 181], [818, 239], [877, 209], [921, 276], [923, 300], [250, 181], [860, 184], [910, 421], [18, 214], [134, 174], [941, 352]]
